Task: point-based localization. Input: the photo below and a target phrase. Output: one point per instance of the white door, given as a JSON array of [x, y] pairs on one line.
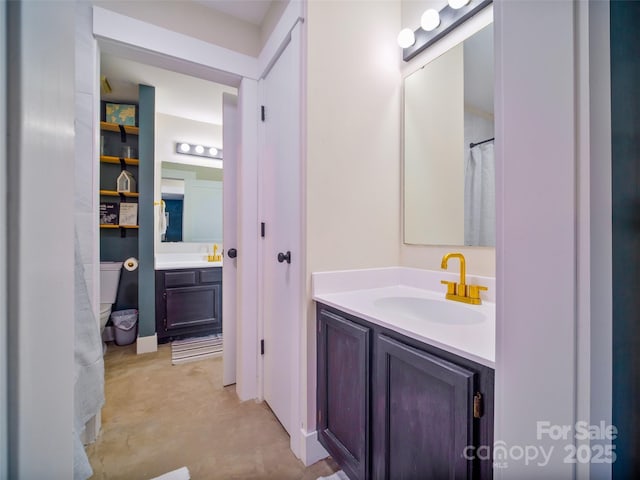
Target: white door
[[281, 211], [230, 141]]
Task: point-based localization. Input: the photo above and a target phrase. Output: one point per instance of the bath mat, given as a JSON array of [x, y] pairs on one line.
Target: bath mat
[[339, 475], [179, 474], [193, 349]]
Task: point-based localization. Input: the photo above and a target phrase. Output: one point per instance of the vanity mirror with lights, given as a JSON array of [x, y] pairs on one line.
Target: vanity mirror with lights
[[449, 167]]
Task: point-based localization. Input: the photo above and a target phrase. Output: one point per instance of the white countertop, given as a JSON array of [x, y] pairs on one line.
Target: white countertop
[[173, 261], [356, 292]]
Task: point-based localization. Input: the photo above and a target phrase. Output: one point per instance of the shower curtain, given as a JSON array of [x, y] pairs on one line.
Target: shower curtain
[[89, 367], [479, 196]]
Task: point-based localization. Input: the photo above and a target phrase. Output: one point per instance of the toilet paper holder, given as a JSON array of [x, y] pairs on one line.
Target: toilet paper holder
[[130, 264]]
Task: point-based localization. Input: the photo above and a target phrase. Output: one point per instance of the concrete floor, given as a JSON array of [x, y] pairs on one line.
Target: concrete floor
[[159, 417]]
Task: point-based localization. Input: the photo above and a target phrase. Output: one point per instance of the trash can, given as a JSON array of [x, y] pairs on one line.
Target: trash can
[[125, 324]]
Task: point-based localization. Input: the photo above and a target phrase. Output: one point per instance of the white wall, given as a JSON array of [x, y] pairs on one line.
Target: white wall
[[353, 135], [536, 262], [41, 218]]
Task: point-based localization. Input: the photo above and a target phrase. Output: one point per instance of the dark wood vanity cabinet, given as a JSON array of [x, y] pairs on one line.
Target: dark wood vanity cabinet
[[188, 302], [390, 407], [343, 391]]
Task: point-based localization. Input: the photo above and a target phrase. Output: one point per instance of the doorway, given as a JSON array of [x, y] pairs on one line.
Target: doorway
[[187, 190]]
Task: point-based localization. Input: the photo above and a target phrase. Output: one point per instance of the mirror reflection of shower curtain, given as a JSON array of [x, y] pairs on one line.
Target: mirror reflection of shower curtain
[[479, 197]]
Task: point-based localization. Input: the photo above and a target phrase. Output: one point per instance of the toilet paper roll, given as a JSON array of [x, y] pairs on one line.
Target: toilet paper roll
[[131, 264]]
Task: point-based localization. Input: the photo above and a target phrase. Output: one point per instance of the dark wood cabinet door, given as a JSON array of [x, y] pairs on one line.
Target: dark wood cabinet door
[[423, 414], [343, 392], [190, 306]]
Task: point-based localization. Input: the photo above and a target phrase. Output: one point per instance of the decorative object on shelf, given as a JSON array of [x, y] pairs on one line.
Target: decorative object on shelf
[[128, 151], [436, 25], [108, 213], [128, 214], [126, 183], [120, 113]]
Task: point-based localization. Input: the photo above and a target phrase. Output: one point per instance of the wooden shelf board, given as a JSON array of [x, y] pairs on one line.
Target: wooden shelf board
[[113, 193], [116, 160], [114, 127], [102, 225]]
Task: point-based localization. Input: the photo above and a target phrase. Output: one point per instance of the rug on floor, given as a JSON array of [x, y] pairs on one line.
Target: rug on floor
[[193, 349], [339, 475]]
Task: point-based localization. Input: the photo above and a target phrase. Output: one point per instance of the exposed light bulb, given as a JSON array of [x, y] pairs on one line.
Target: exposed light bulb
[[185, 147], [430, 20], [406, 38], [456, 4], [199, 149], [213, 151]]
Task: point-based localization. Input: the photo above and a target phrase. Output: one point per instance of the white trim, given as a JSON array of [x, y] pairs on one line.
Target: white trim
[[247, 374], [311, 450], [535, 103], [129, 31], [147, 344], [280, 36]]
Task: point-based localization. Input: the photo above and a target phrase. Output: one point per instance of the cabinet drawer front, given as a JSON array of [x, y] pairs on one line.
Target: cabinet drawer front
[[211, 275], [343, 392], [191, 306], [179, 279], [424, 414]]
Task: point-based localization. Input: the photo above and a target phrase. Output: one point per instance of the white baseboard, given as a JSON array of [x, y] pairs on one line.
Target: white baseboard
[[147, 344], [312, 451]]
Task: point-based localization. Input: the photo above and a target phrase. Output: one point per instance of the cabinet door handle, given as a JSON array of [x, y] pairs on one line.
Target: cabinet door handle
[[284, 257], [232, 253]]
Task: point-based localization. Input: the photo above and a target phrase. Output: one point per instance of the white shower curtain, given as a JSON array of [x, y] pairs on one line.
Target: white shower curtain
[[479, 197]]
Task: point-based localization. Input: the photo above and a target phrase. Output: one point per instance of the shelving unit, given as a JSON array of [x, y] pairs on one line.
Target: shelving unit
[[113, 193], [102, 225], [116, 160], [114, 127], [115, 137]]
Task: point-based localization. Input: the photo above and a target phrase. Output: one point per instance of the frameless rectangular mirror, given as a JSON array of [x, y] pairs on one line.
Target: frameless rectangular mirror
[[192, 197], [449, 168]]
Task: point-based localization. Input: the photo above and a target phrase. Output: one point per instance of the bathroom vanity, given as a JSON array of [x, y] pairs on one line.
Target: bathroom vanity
[[188, 302], [405, 378]]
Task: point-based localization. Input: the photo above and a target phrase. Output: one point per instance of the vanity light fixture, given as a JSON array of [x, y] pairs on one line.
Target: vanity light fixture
[[435, 25], [184, 148], [430, 20], [406, 38], [456, 4]]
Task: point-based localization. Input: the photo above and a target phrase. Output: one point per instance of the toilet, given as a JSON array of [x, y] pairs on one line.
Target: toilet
[[109, 280]]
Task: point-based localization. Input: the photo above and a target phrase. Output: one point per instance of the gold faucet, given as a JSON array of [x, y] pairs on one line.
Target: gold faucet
[[461, 292], [215, 257]]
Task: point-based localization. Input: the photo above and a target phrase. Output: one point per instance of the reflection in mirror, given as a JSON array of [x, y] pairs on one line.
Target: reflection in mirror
[[192, 197], [449, 169]]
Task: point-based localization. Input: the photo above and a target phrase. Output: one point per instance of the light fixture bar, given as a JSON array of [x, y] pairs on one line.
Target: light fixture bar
[[184, 148], [450, 18]]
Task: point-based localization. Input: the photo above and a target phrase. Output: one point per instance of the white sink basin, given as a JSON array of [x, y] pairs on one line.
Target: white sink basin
[[431, 310]]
